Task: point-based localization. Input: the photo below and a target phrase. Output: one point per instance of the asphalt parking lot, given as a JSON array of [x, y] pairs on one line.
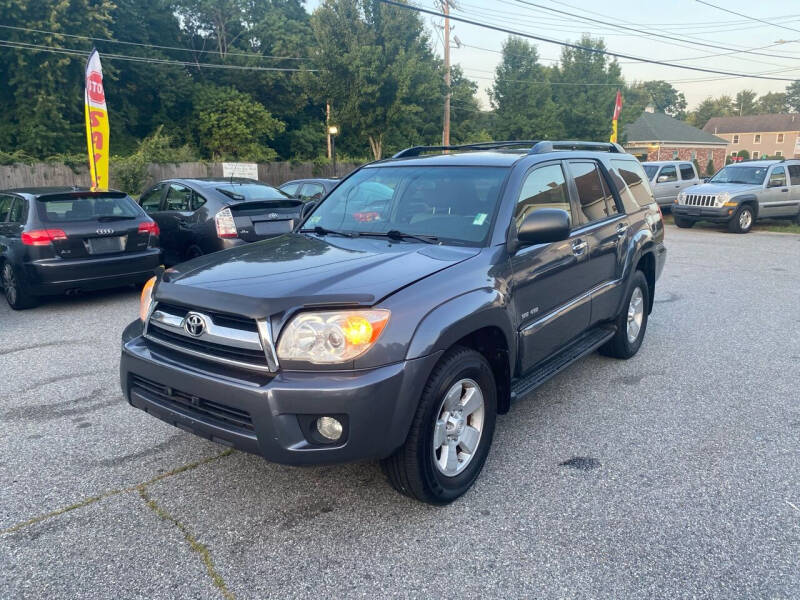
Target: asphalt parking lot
[[675, 474]]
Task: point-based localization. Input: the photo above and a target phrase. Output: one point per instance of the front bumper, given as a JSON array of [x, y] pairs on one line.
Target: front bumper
[[57, 275], [704, 213], [274, 416]]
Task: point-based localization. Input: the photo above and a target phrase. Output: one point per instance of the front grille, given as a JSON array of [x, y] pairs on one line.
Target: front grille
[[222, 319], [249, 357], [207, 411], [699, 200]]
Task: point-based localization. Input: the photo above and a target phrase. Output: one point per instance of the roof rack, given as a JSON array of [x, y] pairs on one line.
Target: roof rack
[[536, 147]]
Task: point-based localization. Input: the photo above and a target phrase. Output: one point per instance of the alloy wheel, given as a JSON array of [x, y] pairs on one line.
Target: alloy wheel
[[635, 314], [9, 284], [458, 428], [745, 219]]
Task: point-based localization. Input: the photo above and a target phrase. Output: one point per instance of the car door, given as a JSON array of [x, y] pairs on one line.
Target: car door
[[5, 209], [794, 187], [151, 201], [688, 176], [177, 221], [16, 218], [549, 291], [775, 200], [604, 226], [667, 185]]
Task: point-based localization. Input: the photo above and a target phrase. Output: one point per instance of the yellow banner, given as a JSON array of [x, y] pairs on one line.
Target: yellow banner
[[614, 130], [96, 123]]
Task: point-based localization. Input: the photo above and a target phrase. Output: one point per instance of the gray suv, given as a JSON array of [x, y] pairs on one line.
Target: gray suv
[[668, 178], [741, 193]]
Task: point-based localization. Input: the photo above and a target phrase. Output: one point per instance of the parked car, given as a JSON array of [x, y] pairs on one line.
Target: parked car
[[490, 269], [308, 189], [200, 216], [63, 239], [669, 177], [741, 193]]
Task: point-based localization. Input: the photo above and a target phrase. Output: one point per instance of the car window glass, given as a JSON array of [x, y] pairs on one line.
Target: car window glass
[[778, 177], [312, 191], [687, 172], [592, 193], [289, 188], [630, 180], [5, 206], [150, 201], [794, 175], [650, 170], [668, 173], [179, 197], [75, 208], [543, 188], [17, 214], [197, 201]]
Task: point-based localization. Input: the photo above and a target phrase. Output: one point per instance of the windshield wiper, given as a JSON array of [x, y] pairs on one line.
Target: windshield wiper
[[395, 234], [105, 218], [319, 230]]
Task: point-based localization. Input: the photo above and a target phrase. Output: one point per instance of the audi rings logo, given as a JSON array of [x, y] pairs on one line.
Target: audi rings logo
[[194, 324], [105, 231], [273, 216]]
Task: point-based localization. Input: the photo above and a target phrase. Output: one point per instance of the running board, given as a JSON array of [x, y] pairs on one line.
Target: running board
[[585, 344]]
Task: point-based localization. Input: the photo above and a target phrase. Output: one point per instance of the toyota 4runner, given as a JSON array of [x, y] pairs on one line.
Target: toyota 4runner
[[407, 309]]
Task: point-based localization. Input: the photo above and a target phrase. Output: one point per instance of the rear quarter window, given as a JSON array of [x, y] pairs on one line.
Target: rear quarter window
[[631, 182], [85, 208]]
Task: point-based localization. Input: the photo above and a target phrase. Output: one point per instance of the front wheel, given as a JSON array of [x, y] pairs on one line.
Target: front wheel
[[632, 320], [742, 220], [451, 432], [15, 290], [683, 223]]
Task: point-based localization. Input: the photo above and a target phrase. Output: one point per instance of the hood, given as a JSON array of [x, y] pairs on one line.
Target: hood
[[296, 270], [718, 188]]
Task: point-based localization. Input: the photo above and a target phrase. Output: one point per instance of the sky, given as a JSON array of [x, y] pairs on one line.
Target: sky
[[691, 21]]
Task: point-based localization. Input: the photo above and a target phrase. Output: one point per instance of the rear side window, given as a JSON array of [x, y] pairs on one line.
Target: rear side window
[[19, 211], [687, 172], [179, 198], [543, 188], [5, 207], [250, 191], [312, 191], [85, 208], [151, 200], [630, 180], [596, 201], [794, 174]]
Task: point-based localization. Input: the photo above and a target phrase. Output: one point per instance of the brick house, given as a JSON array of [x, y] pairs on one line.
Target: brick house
[[760, 135], [656, 136]]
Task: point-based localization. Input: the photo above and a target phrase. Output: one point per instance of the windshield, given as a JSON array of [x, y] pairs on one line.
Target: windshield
[[86, 208], [748, 175], [651, 171], [454, 204], [250, 191]]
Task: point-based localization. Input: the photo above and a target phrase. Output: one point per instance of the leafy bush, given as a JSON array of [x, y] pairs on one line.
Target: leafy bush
[[710, 170], [18, 156], [129, 173]]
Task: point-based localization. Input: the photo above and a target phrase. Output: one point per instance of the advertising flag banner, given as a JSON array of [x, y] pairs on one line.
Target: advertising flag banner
[[615, 118], [96, 122]]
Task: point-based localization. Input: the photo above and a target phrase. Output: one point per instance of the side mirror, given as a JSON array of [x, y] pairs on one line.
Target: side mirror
[[307, 208], [661, 179], [544, 226], [706, 179]]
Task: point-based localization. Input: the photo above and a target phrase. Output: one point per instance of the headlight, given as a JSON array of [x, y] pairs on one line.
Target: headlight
[[147, 298], [723, 197], [331, 336]]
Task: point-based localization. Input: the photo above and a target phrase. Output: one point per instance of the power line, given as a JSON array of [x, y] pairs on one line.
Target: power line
[[733, 12], [578, 46], [143, 59], [94, 39]]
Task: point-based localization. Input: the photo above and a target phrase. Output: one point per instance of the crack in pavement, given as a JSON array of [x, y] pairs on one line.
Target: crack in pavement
[[194, 544], [44, 345], [51, 412], [115, 492]]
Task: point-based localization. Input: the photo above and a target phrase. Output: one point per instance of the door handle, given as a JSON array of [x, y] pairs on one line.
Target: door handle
[[579, 247], [677, 186], [622, 229], [785, 190]]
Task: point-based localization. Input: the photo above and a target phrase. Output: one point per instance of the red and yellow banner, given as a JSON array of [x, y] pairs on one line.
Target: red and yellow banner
[[615, 118], [96, 123]]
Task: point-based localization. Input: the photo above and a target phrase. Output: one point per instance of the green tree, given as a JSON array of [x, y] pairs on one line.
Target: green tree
[[793, 96], [745, 103], [521, 95], [710, 170], [772, 103], [711, 107], [231, 124], [666, 98], [585, 86]]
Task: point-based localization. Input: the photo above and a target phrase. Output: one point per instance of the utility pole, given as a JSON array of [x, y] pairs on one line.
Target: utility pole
[[446, 129], [327, 125]]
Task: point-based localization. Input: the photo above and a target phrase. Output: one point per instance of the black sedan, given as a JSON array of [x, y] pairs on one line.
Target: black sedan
[[309, 189], [62, 239], [200, 216]]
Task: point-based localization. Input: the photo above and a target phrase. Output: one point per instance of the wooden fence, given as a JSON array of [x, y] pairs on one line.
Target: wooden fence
[[55, 174]]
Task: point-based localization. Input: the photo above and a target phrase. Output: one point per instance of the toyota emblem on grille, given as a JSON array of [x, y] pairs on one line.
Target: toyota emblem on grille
[[194, 324], [105, 231], [273, 216]]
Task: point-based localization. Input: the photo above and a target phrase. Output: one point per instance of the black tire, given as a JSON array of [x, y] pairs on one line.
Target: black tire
[[412, 469], [683, 223], [620, 346], [740, 223], [14, 288]]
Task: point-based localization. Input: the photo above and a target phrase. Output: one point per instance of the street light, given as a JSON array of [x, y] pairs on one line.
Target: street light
[[333, 131]]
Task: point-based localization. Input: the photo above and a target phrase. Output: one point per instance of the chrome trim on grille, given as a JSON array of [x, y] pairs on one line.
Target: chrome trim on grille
[[211, 357], [265, 332], [699, 200], [216, 334]]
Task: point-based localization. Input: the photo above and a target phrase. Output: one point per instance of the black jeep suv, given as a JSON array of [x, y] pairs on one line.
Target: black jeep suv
[[407, 309]]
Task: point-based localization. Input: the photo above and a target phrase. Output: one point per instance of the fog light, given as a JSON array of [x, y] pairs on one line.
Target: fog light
[[329, 428]]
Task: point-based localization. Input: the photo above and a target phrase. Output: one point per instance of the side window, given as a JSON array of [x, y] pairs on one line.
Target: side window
[[18, 212], [5, 207], [631, 182], [667, 174], [543, 188], [197, 201], [290, 188], [150, 201], [312, 191], [778, 177], [794, 175], [596, 201], [179, 198], [687, 172]]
